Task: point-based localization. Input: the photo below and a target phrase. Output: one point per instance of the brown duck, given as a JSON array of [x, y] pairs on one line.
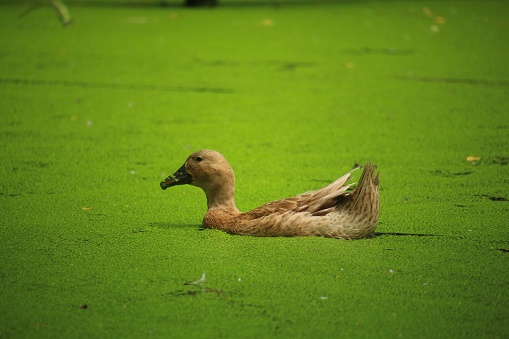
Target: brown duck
[[334, 211]]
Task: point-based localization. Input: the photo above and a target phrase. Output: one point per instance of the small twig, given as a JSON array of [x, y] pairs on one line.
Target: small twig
[[198, 282], [60, 8]]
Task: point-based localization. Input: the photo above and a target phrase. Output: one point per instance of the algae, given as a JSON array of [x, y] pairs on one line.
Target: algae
[[95, 115]]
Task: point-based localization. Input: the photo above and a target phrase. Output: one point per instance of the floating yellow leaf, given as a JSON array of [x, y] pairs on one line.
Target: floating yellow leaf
[[86, 208], [473, 158], [267, 22], [427, 11], [440, 20]]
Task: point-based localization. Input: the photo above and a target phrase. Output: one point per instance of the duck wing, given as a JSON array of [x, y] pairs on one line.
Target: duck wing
[[318, 203]]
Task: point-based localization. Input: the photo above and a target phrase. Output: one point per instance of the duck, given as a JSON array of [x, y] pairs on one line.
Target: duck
[[340, 210]]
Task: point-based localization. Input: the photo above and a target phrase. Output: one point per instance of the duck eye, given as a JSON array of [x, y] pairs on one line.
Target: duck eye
[[199, 159]]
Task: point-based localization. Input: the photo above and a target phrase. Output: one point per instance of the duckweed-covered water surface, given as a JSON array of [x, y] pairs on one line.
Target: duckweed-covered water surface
[[294, 94]]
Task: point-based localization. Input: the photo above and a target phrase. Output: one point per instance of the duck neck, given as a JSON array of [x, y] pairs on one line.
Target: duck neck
[[222, 197]]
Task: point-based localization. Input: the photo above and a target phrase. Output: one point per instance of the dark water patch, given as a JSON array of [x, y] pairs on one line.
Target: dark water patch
[[12, 195], [29, 193], [194, 292], [462, 173], [380, 51], [290, 66], [459, 205], [286, 65], [98, 85], [497, 199], [482, 82], [492, 198], [399, 234], [140, 230], [182, 293], [450, 175], [505, 250], [500, 160]]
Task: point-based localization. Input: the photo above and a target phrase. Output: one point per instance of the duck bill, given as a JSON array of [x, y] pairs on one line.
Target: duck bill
[[181, 177]]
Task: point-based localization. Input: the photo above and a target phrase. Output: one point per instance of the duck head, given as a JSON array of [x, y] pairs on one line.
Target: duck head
[[206, 169]]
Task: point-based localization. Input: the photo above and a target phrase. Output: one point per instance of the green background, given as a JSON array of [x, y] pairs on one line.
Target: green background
[[293, 94]]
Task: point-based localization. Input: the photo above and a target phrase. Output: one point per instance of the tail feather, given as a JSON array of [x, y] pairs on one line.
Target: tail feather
[[368, 182], [361, 208]]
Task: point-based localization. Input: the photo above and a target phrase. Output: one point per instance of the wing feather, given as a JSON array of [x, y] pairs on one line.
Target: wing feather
[[319, 202]]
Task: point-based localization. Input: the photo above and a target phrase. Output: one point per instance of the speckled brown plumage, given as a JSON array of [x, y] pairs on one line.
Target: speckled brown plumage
[[333, 211]]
